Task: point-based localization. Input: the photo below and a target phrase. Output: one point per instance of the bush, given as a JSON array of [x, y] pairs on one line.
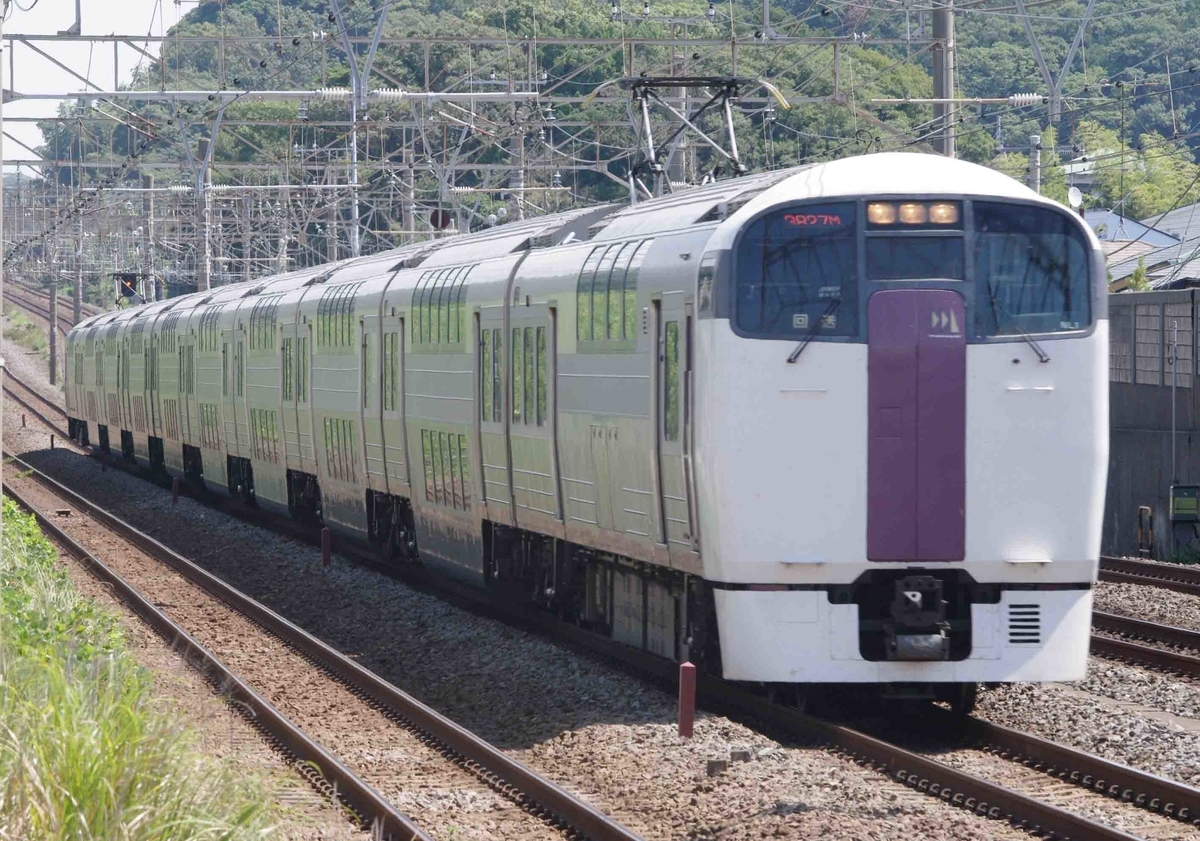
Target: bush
[[24, 332], [86, 752]]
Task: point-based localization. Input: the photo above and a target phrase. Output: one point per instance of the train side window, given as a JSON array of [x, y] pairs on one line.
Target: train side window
[[287, 368], [463, 463], [671, 357], [485, 374], [530, 382], [302, 366], [497, 383], [391, 371], [427, 457], [241, 369], [616, 292], [631, 280], [541, 376], [600, 293], [441, 473], [583, 294], [370, 362], [518, 375], [455, 471]]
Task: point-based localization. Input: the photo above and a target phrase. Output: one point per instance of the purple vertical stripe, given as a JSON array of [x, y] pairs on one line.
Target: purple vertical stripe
[[916, 427]]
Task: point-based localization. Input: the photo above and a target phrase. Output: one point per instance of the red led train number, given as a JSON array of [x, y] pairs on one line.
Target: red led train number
[[813, 220]]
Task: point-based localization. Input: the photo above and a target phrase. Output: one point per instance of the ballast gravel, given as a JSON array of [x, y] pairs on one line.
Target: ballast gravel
[[1152, 604]]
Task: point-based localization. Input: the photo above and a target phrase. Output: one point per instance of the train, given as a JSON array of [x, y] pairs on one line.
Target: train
[[840, 424]]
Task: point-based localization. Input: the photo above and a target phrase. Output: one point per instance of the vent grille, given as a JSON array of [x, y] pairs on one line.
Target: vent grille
[[1024, 624]]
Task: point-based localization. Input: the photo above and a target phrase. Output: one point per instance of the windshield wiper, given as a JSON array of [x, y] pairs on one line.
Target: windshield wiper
[[1012, 320], [816, 328]]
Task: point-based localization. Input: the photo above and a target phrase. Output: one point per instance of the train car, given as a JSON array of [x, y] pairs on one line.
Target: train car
[[840, 424]]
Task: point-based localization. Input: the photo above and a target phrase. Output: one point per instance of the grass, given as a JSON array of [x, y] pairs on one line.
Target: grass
[[86, 750], [23, 331]]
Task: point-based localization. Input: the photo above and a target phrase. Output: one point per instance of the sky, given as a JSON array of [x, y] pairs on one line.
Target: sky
[[33, 73]]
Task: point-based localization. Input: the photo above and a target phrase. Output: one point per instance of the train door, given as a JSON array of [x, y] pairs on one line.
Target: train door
[[188, 410], [304, 409], [534, 481], [673, 329], [228, 392], [392, 426], [241, 414], [123, 386], [370, 404], [289, 393], [496, 490], [152, 386]]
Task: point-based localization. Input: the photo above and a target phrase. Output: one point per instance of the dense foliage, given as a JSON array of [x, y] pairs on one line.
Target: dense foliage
[[1136, 123]]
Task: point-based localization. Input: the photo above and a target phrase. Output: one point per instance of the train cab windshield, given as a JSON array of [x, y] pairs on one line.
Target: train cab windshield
[[1025, 269], [1031, 270], [798, 271]]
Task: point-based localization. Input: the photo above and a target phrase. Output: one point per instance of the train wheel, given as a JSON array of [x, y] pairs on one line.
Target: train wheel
[[962, 699]]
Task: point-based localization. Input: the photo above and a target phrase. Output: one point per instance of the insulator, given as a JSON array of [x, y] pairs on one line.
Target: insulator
[[333, 93], [711, 13], [390, 94], [1021, 99]]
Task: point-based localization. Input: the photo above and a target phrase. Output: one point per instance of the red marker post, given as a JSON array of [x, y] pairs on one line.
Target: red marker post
[[326, 546], [687, 699]]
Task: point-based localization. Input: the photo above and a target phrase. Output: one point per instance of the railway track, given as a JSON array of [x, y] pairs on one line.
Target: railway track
[[1183, 579], [541, 800], [1056, 763], [325, 771], [38, 304]]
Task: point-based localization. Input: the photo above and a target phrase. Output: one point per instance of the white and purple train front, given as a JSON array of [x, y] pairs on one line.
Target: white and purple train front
[[902, 427]]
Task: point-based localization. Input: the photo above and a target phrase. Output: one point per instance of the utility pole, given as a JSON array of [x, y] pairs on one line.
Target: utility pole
[[517, 179], [54, 334], [148, 237], [407, 205], [247, 215], [204, 211], [1035, 163], [77, 296], [943, 75], [331, 243]]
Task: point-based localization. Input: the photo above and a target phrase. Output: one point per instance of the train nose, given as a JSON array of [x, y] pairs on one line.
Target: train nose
[[916, 427]]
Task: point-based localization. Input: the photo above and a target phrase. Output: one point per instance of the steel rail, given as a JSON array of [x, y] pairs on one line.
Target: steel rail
[[1176, 577], [65, 324], [1120, 782], [45, 401], [1143, 630], [1144, 655], [370, 807], [534, 792], [958, 787], [37, 413]]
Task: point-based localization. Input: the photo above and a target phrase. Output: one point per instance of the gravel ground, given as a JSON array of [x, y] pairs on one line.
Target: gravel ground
[[1153, 604], [595, 730]]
